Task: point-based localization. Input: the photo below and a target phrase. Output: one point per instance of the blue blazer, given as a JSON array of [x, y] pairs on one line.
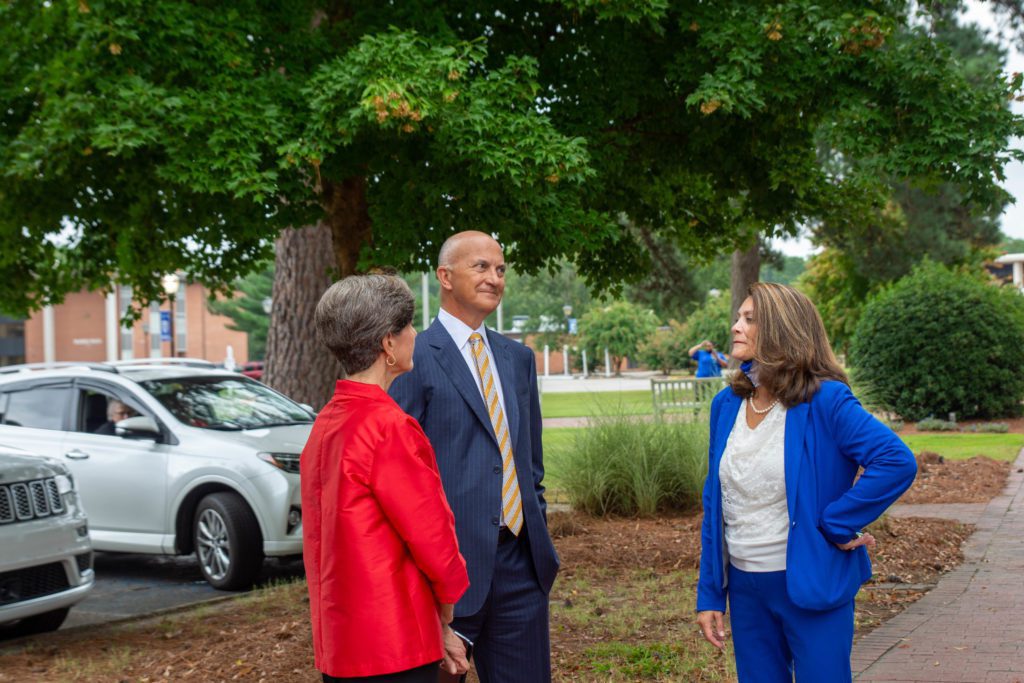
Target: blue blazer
[[443, 395], [827, 439]]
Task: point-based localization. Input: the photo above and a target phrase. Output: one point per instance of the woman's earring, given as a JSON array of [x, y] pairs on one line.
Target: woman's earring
[[390, 360]]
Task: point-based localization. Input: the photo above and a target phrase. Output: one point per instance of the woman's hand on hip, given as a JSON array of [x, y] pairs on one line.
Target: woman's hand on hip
[[862, 539], [712, 627]]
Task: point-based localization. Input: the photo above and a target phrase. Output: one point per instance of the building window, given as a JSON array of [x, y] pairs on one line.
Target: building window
[[180, 327], [154, 330], [124, 302]]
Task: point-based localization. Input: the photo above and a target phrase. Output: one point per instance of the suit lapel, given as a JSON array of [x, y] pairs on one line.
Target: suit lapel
[[796, 428], [454, 366], [507, 376]]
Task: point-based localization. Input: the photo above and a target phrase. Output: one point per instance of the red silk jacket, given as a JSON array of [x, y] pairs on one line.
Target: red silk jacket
[[379, 538]]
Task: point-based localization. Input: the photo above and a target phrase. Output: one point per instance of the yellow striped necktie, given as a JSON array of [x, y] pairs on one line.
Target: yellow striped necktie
[[511, 501]]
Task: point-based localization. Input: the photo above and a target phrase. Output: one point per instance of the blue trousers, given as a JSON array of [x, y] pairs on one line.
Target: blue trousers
[[510, 633], [775, 639]]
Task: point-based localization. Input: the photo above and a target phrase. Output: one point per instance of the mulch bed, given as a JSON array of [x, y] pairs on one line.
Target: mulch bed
[[976, 480], [272, 642]]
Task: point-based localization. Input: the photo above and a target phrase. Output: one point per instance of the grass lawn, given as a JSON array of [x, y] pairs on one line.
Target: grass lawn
[[588, 403], [963, 446]]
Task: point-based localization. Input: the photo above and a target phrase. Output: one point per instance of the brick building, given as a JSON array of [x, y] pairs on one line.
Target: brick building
[[87, 327]]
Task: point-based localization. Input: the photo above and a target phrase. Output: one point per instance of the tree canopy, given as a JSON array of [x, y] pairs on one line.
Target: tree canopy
[[137, 138]]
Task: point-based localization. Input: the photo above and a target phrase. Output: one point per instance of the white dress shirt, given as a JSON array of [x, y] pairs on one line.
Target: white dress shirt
[[460, 333]]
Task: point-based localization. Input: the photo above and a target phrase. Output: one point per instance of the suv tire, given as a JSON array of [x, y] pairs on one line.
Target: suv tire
[[229, 545]]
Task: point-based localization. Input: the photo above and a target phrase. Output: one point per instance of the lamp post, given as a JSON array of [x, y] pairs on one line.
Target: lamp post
[[170, 283]]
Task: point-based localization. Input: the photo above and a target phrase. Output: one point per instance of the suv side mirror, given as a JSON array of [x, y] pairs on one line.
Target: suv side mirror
[[140, 427]]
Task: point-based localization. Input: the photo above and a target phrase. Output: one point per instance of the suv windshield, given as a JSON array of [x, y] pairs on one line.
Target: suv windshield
[[225, 403]]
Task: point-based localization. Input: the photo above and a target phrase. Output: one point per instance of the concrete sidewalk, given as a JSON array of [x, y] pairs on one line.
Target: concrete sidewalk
[[970, 627]]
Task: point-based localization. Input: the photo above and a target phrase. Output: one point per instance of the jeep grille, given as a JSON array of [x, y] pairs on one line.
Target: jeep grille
[[27, 500]]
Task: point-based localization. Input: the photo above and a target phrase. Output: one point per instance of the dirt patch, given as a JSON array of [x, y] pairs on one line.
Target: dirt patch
[[976, 480]]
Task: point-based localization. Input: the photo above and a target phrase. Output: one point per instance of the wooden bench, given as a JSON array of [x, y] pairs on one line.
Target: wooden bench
[[678, 395]]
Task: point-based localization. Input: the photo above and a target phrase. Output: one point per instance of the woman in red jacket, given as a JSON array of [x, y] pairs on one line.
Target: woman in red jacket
[[382, 562]]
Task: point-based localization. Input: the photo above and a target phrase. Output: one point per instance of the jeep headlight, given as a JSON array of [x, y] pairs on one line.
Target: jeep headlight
[[65, 484], [289, 462]]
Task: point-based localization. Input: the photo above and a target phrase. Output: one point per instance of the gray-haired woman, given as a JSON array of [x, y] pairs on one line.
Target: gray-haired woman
[[382, 561]]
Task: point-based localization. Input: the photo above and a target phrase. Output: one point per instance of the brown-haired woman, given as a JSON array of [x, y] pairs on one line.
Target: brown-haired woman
[[781, 536]]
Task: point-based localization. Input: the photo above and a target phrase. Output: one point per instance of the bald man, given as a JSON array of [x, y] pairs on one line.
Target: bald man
[[474, 392]]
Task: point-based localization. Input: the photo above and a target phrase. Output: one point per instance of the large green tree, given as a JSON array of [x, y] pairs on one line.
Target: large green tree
[[137, 138]]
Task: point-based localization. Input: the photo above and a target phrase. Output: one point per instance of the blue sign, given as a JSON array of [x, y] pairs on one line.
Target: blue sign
[[165, 326], [573, 326]]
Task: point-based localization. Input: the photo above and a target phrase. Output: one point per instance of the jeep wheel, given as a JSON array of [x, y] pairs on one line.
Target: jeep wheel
[[228, 541]]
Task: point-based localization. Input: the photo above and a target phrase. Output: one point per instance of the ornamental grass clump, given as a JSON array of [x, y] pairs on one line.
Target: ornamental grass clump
[[622, 465]]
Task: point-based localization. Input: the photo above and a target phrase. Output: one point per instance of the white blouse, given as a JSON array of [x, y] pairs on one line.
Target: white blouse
[[753, 477]]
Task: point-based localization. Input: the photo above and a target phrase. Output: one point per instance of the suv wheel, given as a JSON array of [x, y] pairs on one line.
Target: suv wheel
[[228, 541], [41, 623]]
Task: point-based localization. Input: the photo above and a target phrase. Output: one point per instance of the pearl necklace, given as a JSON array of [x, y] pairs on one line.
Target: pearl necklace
[[761, 411]]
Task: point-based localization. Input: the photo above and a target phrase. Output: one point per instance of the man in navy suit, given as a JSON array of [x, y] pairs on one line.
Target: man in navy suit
[[475, 393]]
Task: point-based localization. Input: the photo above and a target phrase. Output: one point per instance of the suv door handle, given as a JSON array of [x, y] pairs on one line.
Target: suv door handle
[[76, 454]]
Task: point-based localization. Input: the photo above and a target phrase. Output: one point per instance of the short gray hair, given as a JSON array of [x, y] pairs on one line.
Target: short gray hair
[[356, 313]]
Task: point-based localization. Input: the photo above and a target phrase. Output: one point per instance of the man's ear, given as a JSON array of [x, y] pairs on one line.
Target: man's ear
[[444, 277]]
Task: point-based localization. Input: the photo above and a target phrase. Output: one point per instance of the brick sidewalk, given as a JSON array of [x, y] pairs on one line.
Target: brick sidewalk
[[970, 627]]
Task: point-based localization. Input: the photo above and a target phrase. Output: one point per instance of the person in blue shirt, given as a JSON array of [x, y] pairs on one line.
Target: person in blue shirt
[[709, 361]]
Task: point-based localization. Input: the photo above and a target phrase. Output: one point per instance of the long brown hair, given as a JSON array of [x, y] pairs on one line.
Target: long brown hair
[[791, 347]]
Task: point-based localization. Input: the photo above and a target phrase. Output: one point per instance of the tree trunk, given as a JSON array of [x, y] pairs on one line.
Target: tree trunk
[[746, 269], [297, 364], [305, 263], [349, 221]]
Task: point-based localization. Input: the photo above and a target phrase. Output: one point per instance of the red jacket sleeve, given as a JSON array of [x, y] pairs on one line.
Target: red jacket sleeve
[[405, 481]]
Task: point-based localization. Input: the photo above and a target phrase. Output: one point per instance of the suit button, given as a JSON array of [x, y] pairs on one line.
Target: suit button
[[494, 521], [497, 470], [793, 524]]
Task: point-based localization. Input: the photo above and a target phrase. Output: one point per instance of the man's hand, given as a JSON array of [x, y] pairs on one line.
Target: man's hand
[[712, 627], [455, 661], [862, 539]]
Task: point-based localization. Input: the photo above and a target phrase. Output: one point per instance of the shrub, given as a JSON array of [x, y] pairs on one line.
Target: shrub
[[712, 321], [941, 342], [894, 424], [666, 348], [625, 466], [932, 424], [988, 427]]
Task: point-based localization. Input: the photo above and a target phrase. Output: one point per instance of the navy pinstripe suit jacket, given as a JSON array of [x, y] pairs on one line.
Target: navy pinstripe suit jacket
[[443, 395]]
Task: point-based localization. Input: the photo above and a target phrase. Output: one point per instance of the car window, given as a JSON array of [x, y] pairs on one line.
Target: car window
[[225, 403], [99, 412], [39, 407]]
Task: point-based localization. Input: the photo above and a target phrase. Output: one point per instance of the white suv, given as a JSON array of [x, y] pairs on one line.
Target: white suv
[[170, 458], [46, 560]]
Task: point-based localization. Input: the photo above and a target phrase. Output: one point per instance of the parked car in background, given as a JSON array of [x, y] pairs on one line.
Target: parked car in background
[[45, 555], [170, 458], [253, 368]]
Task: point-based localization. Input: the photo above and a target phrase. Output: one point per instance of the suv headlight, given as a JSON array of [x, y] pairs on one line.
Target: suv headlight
[[289, 462], [65, 484]]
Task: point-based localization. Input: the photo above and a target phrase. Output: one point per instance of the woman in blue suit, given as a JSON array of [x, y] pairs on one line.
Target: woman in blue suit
[[781, 537]]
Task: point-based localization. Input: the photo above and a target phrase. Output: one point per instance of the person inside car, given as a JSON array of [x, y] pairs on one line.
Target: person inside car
[[116, 411]]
